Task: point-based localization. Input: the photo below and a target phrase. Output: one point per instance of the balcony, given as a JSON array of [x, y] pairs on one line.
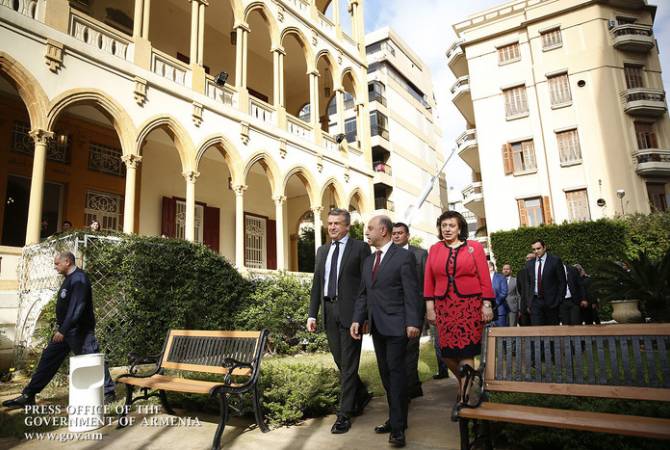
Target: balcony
[[652, 162], [456, 59], [632, 37], [468, 150], [382, 173], [645, 102], [462, 99], [384, 204], [473, 198]]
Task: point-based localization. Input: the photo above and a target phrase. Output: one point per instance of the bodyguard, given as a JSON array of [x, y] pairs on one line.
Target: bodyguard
[[76, 331]]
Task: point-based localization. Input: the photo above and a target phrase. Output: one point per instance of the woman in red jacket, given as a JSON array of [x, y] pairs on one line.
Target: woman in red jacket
[[458, 292]]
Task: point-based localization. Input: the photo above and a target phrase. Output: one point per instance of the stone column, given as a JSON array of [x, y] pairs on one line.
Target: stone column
[[138, 17], [242, 33], [142, 51], [339, 100], [314, 105], [278, 59], [132, 162], [280, 200], [317, 226], [239, 225], [195, 22], [41, 139], [189, 225]]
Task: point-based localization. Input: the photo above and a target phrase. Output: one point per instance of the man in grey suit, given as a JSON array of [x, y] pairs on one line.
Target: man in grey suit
[[513, 299], [401, 239], [335, 287], [389, 302]]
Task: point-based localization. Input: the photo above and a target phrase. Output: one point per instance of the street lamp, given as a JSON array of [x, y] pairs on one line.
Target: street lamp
[[621, 193]]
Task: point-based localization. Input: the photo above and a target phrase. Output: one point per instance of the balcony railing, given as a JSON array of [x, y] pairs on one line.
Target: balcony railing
[[468, 137], [170, 68], [376, 130], [652, 162], [299, 128], [633, 37], [631, 29], [376, 97], [329, 143], [471, 191], [99, 35], [223, 94], [384, 203], [455, 49], [382, 167], [261, 111], [462, 83], [26, 7], [326, 25], [646, 102], [641, 94], [301, 6]]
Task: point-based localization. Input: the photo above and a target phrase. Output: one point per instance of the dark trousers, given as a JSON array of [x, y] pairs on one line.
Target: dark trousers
[[441, 365], [347, 355], [590, 315], [390, 351], [541, 313], [412, 364], [55, 353], [570, 313]]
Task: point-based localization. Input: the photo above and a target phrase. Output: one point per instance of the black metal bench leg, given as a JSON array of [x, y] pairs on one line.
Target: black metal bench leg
[[164, 402], [223, 406], [465, 434], [126, 408], [258, 410], [486, 435]]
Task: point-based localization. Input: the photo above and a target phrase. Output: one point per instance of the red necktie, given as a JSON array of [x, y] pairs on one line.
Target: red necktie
[[375, 266], [539, 278]]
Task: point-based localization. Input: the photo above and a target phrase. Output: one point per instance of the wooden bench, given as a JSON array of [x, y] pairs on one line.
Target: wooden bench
[[609, 361], [227, 353]]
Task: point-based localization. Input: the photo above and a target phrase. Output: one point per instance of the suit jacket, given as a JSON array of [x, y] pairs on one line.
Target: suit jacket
[[513, 299], [391, 302], [523, 286], [500, 288], [421, 256], [348, 279], [553, 280], [574, 282]]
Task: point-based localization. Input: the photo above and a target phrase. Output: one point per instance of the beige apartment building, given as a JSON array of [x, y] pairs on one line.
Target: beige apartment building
[[202, 120], [565, 111], [406, 139]]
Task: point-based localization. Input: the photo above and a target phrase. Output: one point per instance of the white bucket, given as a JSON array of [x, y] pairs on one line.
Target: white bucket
[[87, 379]]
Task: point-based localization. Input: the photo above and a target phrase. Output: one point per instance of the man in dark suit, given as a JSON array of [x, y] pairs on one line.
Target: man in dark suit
[[513, 298], [588, 306], [337, 279], [500, 288], [401, 239], [547, 284], [570, 309], [389, 301], [75, 332], [525, 293]]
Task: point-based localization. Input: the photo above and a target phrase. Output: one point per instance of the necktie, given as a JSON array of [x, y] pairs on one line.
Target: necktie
[[332, 275], [539, 277], [375, 266]]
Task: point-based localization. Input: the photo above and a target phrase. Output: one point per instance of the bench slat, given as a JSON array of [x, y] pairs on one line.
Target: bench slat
[[625, 360], [663, 356], [527, 356], [579, 361], [174, 384], [576, 420], [602, 369], [645, 329], [580, 390], [614, 362], [568, 359], [649, 355], [497, 361], [637, 356], [519, 358], [536, 343], [591, 362], [547, 366]]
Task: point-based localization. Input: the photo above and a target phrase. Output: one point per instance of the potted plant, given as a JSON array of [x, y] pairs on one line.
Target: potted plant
[[636, 282]]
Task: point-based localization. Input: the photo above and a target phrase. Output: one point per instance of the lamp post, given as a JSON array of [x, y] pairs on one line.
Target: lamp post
[[621, 193]]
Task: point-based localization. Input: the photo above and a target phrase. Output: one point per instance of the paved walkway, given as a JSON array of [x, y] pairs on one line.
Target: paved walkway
[[429, 428]]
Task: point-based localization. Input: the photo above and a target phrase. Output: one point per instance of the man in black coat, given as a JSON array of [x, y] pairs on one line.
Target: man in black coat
[[337, 279], [547, 285], [401, 239], [588, 306], [389, 302], [570, 309], [75, 333], [523, 286]]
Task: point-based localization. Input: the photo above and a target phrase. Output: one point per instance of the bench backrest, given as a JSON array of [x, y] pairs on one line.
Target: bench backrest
[[620, 361], [205, 350]]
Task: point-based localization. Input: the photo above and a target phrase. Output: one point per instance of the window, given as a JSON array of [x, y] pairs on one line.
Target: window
[[305, 113], [350, 130], [379, 124], [531, 212], [105, 208], [255, 243], [180, 218], [658, 200], [519, 157], [559, 87], [58, 148], [102, 158], [633, 74], [646, 137], [376, 92], [516, 102], [509, 53], [568, 146], [578, 205], [551, 39]]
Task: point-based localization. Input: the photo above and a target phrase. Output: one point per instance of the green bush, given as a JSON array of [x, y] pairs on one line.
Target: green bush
[[527, 437], [648, 233]]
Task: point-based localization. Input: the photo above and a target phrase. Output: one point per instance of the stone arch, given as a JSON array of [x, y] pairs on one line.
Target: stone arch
[[269, 18], [268, 165], [339, 191], [304, 43], [30, 91], [238, 10], [307, 179], [358, 87], [336, 78], [120, 119], [181, 138], [230, 154], [363, 200]]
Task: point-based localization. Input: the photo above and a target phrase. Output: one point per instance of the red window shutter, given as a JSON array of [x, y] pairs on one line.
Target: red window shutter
[[508, 162], [169, 217], [271, 230], [210, 232], [546, 210], [523, 213]]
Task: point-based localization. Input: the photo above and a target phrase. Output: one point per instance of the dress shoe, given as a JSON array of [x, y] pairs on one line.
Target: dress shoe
[[441, 375], [414, 393], [110, 398], [341, 425], [20, 401], [362, 403], [397, 439], [383, 428]]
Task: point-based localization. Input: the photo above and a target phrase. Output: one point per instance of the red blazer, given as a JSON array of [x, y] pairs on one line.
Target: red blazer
[[470, 275]]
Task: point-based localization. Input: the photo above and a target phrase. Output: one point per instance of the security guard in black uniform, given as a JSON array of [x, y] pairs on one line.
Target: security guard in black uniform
[[76, 331]]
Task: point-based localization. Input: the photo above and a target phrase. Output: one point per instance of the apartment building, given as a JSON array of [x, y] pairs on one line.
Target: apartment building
[[565, 111], [406, 139]]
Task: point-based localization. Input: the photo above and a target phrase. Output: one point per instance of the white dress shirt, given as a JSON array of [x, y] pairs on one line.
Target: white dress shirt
[[326, 272], [384, 250]]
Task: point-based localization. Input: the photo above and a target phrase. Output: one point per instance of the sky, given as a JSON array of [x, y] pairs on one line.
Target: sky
[[426, 26]]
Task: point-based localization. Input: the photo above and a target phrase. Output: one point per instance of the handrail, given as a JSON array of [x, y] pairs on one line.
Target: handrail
[[460, 81], [97, 34], [168, 67]]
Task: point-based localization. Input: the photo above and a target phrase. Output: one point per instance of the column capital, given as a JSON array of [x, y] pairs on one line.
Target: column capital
[[202, 2], [41, 136], [131, 161], [279, 50], [279, 199], [316, 209], [242, 26], [314, 73], [239, 189], [191, 175]]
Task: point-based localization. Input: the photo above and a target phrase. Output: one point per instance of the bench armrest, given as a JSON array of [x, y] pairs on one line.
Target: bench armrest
[[472, 391], [135, 360], [231, 364]]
